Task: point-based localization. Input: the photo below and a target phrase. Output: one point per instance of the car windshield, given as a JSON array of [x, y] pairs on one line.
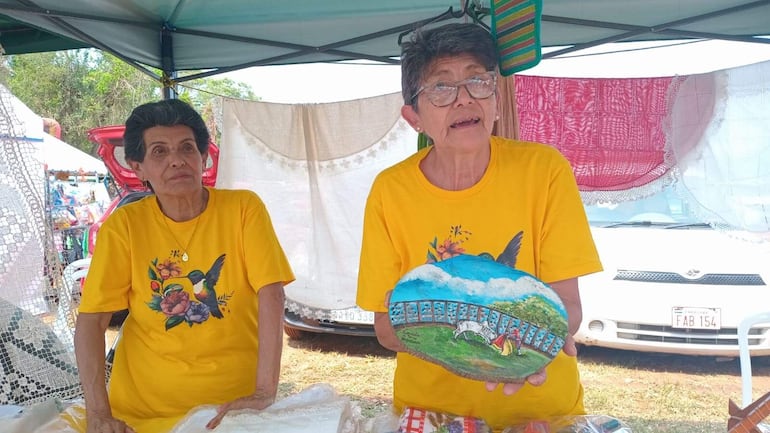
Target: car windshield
[[665, 208]]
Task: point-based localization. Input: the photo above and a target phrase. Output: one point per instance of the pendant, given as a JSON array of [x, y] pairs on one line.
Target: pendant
[[185, 257]]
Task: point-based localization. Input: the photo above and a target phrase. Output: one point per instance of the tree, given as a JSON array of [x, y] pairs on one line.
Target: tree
[[202, 93], [81, 89], [85, 89]]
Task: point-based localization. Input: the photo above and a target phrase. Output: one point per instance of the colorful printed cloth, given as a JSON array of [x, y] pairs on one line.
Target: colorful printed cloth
[[415, 420]]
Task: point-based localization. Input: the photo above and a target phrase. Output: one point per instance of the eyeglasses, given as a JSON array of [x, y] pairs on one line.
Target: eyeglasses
[[441, 94]]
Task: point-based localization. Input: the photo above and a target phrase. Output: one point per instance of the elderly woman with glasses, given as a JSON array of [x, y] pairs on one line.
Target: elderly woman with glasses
[[472, 193]]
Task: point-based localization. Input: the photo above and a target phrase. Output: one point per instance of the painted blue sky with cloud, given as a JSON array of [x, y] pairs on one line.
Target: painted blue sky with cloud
[[471, 279]]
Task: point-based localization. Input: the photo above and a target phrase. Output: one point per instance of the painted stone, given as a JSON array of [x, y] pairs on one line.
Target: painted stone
[[478, 318]]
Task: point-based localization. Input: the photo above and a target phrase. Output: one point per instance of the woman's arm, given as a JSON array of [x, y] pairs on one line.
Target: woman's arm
[[89, 353], [570, 297], [271, 305], [386, 335], [271, 302]]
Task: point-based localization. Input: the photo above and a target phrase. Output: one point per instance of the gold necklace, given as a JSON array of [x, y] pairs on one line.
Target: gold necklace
[[185, 256]]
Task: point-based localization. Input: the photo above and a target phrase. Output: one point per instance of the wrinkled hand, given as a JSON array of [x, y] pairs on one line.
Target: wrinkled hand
[[106, 424], [256, 401], [538, 378], [535, 379], [570, 348], [386, 335]]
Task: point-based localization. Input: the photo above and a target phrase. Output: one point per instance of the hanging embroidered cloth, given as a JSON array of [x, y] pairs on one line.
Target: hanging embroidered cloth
[[610, 129], [36, 335], [313, 165], [627, 138]]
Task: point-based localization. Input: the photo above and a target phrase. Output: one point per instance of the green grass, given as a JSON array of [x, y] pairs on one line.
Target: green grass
[[651, 393]]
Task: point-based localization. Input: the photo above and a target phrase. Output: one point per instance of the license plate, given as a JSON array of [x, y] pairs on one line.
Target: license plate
[[352, 315], [696, 318]]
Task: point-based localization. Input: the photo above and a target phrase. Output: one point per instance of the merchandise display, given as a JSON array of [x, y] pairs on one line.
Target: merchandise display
[[74, 203]]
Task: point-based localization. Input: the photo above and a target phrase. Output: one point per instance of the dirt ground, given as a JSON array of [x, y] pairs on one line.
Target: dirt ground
[[656, 368], [664, 368], [652, 392], [647, 369]]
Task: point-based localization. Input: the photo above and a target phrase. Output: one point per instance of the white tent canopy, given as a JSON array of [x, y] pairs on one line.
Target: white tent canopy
[[58, 155], [22, 122], [54, 153]]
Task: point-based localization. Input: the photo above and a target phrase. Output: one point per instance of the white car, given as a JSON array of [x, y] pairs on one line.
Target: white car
[[349, 321], [670, 283]]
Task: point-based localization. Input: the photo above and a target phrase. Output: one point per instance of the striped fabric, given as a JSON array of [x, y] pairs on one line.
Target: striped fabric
[[516, 29]]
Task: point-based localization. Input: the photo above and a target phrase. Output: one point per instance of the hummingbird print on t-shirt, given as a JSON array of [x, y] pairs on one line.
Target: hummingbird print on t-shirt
[[173, 299]]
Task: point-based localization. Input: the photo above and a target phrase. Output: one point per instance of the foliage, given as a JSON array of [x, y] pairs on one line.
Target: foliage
[[535, 310], [85, 89], [81, 89], [201, 94]]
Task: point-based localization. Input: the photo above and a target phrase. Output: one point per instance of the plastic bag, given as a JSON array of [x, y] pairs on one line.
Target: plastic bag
[[574, 424], [317, 407], [386, 422], [43, 417]]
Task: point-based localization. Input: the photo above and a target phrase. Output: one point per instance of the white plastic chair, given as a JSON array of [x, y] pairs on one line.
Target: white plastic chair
[[745, 357], [74, 273]]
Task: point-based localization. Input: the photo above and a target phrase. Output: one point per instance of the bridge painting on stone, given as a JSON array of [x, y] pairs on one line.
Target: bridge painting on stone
[[478, 318]]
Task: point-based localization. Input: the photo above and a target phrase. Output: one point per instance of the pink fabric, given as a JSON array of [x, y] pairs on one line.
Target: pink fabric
[[610, 129]]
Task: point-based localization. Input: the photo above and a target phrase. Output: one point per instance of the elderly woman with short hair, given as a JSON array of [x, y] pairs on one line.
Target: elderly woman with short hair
[[473, 193], [202, 275]]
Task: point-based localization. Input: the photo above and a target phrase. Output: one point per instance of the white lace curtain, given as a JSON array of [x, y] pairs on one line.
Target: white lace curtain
[[22, 215], [36, 309], [720, 136], [313, 165]]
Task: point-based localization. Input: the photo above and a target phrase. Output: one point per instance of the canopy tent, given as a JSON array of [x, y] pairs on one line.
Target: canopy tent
[[22, 123], [54, 153], [174, 35], [61, 156]]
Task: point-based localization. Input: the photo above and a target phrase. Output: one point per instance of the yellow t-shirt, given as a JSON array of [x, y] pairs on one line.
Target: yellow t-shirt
[[179, 348], [527, 194]]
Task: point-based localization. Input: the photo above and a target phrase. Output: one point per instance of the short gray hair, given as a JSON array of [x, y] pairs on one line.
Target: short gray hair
[[449, 40]]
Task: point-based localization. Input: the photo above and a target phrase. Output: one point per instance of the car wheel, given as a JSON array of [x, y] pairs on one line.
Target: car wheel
[[295, 334]]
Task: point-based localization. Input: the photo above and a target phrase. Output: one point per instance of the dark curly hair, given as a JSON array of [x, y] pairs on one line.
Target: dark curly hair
[[168, 112]]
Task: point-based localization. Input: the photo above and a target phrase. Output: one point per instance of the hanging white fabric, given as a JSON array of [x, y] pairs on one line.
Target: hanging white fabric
[[720, 136], [313, 166]]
